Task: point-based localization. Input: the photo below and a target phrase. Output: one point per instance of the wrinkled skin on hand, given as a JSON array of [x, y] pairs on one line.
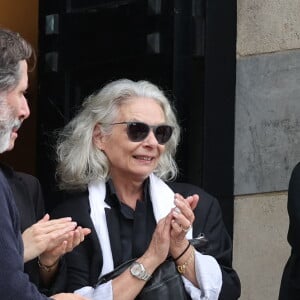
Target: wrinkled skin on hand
[[183, 218], [160, 243]]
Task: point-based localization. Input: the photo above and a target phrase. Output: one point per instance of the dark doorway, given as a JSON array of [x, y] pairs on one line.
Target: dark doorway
[[185, 47]]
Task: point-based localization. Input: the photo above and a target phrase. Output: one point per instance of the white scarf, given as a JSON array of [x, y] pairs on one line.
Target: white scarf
[[162, 198]]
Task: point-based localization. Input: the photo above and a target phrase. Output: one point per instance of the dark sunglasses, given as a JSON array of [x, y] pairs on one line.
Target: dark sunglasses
[[138, 131]]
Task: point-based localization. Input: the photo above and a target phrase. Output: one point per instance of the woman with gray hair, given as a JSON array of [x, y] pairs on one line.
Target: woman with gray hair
[[116, 160]]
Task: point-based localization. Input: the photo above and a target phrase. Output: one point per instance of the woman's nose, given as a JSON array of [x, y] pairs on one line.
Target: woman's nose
[[151, 139]]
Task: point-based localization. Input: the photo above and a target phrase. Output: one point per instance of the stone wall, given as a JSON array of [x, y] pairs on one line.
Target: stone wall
[[267, 139]]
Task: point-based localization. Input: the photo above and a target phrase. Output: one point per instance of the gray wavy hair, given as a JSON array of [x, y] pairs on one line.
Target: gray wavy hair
[[79, 161], [13, 49]]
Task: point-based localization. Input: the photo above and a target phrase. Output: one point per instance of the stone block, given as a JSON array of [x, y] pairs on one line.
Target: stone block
[[267, 122], [267, 26], [260, 248]]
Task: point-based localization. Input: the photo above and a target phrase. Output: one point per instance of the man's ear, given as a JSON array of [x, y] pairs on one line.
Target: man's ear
[[97, 136]]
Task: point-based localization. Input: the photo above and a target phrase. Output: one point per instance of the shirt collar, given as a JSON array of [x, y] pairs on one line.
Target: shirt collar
[[112, 198]]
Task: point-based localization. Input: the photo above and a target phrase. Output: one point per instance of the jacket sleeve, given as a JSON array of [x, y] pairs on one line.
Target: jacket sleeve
[[220, 247], [209, 221], [14, 283], [30, 187], [294, 210]]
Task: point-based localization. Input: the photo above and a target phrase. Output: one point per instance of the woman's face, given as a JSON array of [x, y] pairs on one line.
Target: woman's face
[[133, 160]]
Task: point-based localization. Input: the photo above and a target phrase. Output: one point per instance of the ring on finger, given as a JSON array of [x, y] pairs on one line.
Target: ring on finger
[[177, 210], [186, 229]]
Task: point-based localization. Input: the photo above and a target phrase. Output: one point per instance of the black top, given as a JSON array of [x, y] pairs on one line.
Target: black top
[[14, 283], [136, 226], [290, 282], [27, 195], [84, 263]]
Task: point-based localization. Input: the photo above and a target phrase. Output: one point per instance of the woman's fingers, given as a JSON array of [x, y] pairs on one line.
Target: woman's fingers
[[183, 213], [193, 201], [160, 243]]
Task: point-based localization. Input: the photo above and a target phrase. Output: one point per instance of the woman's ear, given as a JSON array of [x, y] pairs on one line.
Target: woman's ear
[[97, 137]]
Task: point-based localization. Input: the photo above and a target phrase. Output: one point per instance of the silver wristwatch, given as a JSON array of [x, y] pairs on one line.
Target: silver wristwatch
[[138, 270]]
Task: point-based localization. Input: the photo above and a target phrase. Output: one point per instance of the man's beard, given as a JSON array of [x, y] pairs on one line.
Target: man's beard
[[4, 141], [7, 123]]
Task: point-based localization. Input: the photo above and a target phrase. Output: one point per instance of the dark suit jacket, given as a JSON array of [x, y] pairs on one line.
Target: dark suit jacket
[[290, 283], [28, 197], [14, 283], [84, 263]]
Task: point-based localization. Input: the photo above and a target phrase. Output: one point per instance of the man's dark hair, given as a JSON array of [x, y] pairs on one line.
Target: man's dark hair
[[13, 49]]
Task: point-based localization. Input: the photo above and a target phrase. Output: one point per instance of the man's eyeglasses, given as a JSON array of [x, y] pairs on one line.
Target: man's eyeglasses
[[138, 131]]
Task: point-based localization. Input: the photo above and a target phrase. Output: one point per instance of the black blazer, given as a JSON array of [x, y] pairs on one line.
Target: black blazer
[[29, 200], [84, 263], [290, 282]]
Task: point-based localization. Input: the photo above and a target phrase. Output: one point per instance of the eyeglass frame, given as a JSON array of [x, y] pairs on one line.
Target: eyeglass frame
[[152, 128]]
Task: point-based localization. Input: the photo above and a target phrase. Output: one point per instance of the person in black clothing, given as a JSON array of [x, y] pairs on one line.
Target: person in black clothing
[[14, 282], [28, 197], [116, 161], [290, 282]]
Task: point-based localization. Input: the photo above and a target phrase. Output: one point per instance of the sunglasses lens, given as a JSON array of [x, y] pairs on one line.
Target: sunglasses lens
[[163, 133], [137, 131]]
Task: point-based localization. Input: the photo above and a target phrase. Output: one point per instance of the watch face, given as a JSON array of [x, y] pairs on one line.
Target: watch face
[[136, 269]]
